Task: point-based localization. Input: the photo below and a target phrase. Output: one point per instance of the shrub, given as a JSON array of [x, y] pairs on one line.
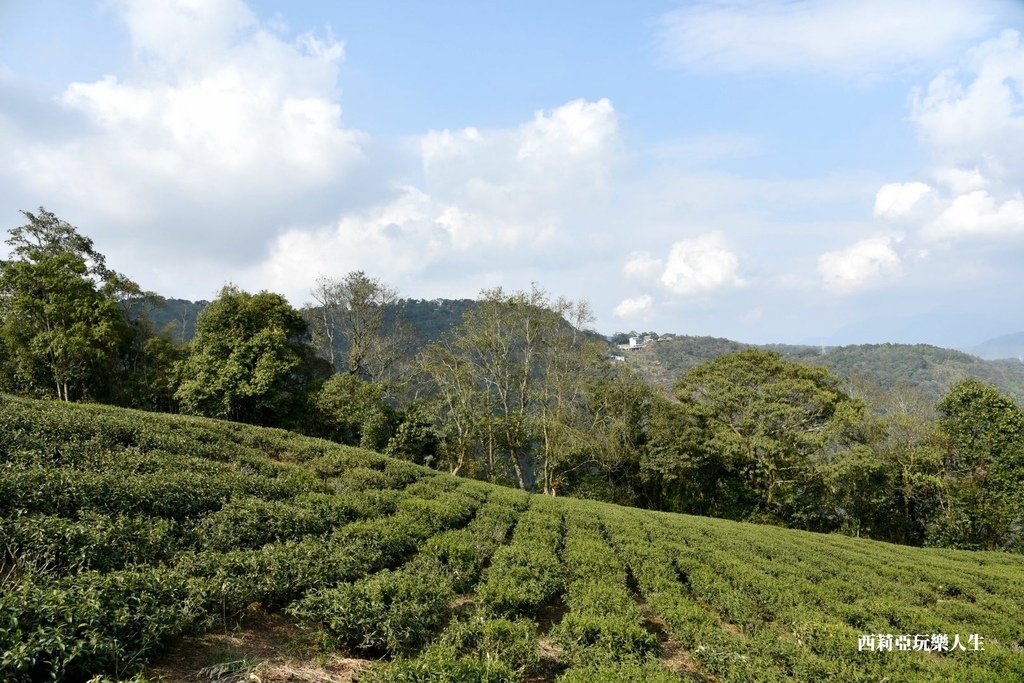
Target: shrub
[[440, 665], [508, 642], [252, 523], [389, 611], [91, 623], [620, 672], [521, 579], [94, 541], [590, 638]]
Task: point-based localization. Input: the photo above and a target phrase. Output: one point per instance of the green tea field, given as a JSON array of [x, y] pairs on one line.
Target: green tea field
[[129, 537]]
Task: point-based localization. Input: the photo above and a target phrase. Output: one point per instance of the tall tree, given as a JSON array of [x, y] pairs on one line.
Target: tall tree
[[60, 319], [510, 385], [983, 469], [248, 361], [774, 423], [893, 491], [348, 324]]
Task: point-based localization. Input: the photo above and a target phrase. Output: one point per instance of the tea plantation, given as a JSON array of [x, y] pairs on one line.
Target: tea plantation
[[123, 532]]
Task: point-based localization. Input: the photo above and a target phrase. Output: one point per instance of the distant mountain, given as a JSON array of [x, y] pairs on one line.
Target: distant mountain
[[929, 368], [177, 319], [1006, 346], [428, 320]]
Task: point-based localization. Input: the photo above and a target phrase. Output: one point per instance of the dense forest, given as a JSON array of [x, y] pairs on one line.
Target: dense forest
[[915, 445]]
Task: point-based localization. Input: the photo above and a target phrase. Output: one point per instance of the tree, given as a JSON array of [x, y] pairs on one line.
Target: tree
[[60, 320], [248, 361], [510, 386], [983, 468], [685, 474], [354, 412], [348, 324], [893, 491], [774, 424]]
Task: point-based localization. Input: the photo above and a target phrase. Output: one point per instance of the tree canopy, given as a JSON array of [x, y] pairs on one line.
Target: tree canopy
[[773, 423], [248, 362], [61, 324]]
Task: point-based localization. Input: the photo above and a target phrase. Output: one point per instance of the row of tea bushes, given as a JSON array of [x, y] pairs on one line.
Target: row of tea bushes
[[604, 624], [526, 575]]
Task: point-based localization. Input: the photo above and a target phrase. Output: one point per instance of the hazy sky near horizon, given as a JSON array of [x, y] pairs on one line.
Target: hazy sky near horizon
[[793, 171]]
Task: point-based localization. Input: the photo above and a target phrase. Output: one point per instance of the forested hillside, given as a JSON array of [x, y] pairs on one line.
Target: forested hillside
[[931, 369], [128, 536], [520, 391]]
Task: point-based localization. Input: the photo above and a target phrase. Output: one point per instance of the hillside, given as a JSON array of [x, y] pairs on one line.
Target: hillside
[[929, 368], [428, 320], [197, 547]]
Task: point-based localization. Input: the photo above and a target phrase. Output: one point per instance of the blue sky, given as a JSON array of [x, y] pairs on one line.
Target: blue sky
[[774, 171]]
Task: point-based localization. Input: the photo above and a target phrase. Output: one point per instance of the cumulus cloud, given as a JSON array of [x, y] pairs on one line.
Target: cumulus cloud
[[978, 214], [504, 199], [562, 158], [863, 265], [642, 266], [898, 199], [701, 265], [869, 38], [971, 122], [971, 117], [219, 120], [631, 308]]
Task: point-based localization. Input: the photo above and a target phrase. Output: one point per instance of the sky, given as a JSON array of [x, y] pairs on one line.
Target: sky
[[771, 171]]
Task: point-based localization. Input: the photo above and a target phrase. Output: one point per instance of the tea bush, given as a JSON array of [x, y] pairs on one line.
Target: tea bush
[[389, 611]]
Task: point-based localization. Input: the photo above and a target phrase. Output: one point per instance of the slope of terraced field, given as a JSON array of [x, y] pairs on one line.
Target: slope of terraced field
[[158, 547]]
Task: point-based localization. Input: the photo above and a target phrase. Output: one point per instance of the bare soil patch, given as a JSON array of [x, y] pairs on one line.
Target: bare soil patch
[[261, 648]]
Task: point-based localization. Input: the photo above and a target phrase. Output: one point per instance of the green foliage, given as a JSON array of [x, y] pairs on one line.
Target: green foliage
[[926, 368], [253, 522], [440, 665], [510, 384], [620, 672], [771, 422], [526, 575], [512, 643], [248, 362], [354, 412], [91, 623], [984, 469], [61, 327], [50, 544], [590, 638], [390, 611], [122, 531]]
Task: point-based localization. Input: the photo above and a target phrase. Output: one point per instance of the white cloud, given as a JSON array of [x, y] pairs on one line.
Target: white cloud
[[978, 214], [219, 120], [631, 308], [503, 200], [972, 123], [897, 199], [860, 266], [972, 118], [701, 265], [868, 38], [961, 181], [642, 266], [562, 159]]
